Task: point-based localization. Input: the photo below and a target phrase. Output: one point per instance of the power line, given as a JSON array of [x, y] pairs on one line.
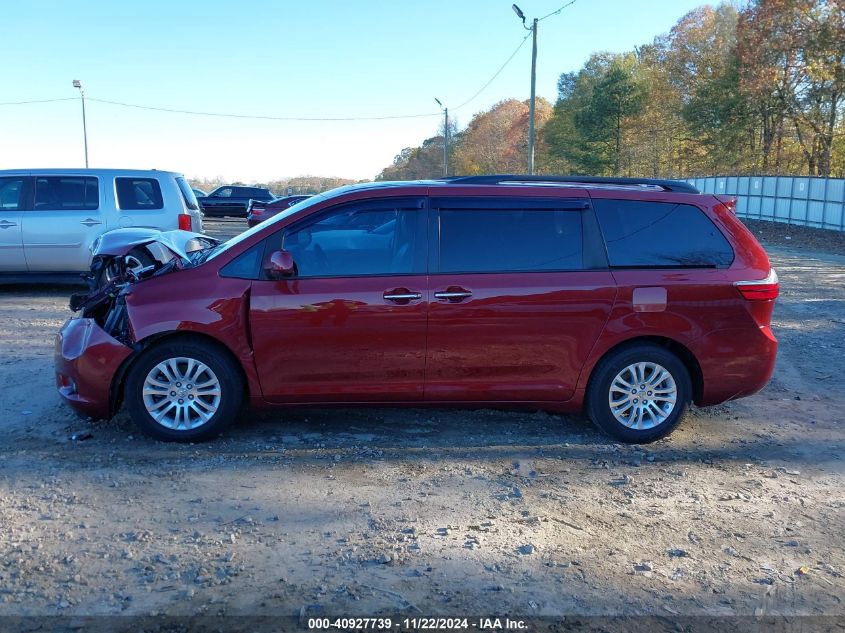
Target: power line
[[508, 61], [497, 73], [232, 115], [260, 117], [548, 15], [11, 103]]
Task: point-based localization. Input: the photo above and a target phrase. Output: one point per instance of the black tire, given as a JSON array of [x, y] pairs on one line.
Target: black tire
[[219, 363], [598, 392]]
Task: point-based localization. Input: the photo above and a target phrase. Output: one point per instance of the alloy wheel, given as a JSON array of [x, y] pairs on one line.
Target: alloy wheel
[[642, 395], [181, 393]]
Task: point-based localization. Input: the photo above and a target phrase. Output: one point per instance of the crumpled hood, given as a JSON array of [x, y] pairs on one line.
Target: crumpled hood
[[121, 241]]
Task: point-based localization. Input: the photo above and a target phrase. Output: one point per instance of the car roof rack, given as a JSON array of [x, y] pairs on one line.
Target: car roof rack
[[516, 179]]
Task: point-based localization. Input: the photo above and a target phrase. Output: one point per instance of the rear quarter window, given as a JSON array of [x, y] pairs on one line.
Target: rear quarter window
[[138, 194], [187, 194], [642, 234]]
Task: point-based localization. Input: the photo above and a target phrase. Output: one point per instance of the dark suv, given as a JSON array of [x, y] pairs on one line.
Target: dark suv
[[233, 200], [625, 299]]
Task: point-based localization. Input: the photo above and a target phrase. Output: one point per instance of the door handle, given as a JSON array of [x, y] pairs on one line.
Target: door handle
[[5, 224], [90, 222], [401, 295], [453, 294]]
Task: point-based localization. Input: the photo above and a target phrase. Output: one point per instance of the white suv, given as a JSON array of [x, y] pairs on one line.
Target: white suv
[[49, 218]]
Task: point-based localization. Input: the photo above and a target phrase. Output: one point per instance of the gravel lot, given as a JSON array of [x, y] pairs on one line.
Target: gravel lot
[[419, 512]]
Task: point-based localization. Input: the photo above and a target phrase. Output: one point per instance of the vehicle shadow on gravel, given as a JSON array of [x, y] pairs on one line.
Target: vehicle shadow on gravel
[[406, 435]]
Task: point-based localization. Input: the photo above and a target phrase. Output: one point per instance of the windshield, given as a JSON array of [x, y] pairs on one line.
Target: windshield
[[299, 206]]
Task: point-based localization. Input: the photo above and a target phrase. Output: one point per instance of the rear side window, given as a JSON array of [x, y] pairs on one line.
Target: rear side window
[[11, 190], [509, 240], [641, 234], [66, 193], [134, 194], [187, 194]]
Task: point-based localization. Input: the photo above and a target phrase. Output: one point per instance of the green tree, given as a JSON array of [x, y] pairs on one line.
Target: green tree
[[593, 108]]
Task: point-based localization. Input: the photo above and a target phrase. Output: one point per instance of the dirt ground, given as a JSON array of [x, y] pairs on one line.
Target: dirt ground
[[426, 513]]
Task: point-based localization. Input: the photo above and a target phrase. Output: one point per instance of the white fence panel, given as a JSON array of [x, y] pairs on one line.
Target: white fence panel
[[816, 202]]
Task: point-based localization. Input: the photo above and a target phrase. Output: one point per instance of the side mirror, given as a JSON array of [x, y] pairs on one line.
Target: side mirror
[[280, 265]]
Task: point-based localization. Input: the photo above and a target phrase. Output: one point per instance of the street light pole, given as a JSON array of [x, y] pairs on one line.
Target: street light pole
[[445, 138], [78, 84], [533, 29]]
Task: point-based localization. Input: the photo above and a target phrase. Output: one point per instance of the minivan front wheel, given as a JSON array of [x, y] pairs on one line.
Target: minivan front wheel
[[183, 391], [639, 393]]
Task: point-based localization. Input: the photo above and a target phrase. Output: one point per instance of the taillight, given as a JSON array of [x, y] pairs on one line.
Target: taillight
[[761, 289], [185, 222]]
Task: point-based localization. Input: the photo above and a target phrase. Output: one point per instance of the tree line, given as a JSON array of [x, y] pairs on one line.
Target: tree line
[[759, 90], [297, 185]]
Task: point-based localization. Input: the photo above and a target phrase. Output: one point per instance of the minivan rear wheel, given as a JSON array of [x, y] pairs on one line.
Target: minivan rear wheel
[[639, 393], [183, 391]]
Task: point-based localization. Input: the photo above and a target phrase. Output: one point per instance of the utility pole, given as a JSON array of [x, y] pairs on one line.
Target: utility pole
[[445, 138], [533, 29], [78, 84], [531, 105]]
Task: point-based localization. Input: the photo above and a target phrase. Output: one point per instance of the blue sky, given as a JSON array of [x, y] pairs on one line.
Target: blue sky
[[318, 58]]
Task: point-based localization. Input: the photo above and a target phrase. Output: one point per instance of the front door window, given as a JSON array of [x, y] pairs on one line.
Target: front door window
[[357, 241]]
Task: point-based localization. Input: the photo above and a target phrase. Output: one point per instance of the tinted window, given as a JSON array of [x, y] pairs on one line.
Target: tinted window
[[187, 194], [358, 241], [245, 192], [502, 240], [138, 193], [642, 234], [66, 193], [10, 193], [223, 193]]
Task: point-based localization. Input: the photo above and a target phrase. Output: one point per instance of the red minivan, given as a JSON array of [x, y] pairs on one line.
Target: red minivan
[[626, 299]]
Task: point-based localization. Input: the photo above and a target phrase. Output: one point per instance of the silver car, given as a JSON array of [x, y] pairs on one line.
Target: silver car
[[49, 218]]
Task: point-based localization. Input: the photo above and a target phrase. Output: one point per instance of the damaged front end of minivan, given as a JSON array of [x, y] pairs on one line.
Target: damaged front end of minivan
[[124, 257], [92, 347]]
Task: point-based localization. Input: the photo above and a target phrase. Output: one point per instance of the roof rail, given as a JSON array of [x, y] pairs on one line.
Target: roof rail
[[501, 179]]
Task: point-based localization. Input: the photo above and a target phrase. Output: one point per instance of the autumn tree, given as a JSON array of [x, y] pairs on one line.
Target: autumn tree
[[496, 141], [415, 163], [792, 56], [700, 58], [760, 90]]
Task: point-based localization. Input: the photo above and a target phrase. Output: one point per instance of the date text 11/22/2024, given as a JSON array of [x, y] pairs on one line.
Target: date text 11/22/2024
[[417, 624]]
